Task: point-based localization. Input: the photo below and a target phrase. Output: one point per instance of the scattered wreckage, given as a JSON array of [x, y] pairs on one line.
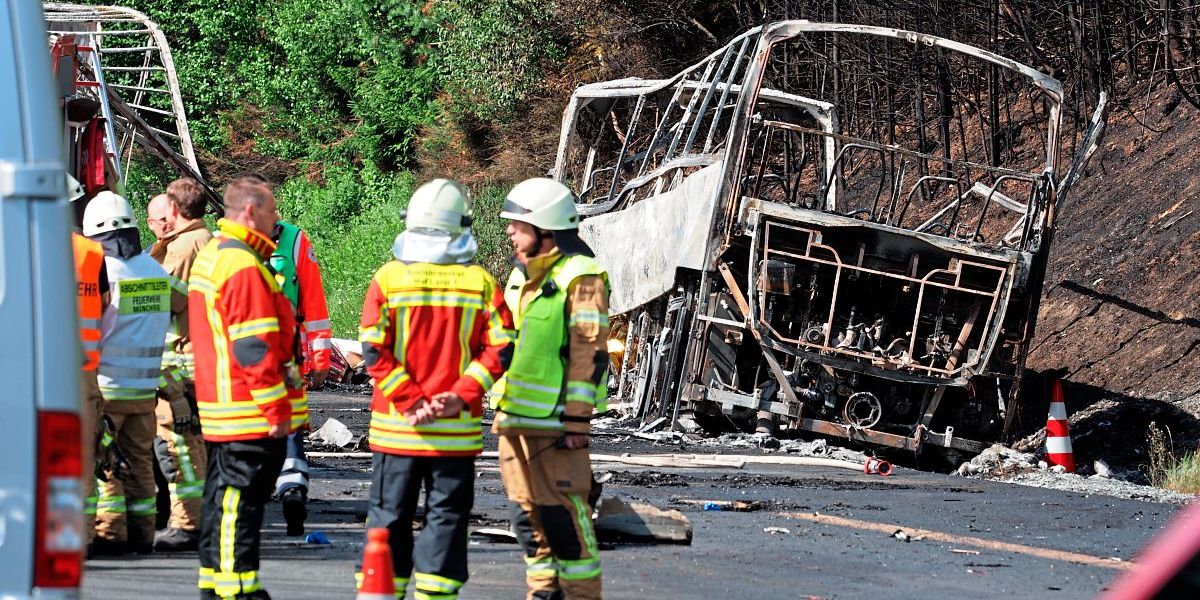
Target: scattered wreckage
[[837, 229]]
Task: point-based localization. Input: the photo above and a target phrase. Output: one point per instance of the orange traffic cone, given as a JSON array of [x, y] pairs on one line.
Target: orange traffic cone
[[1058, 436], [377, 581]]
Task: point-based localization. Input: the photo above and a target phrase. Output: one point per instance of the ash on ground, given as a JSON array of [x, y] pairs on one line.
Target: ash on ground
[[695, 443], [1000, 463]]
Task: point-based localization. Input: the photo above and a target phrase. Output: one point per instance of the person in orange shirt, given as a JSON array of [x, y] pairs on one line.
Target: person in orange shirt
[[91, 277]]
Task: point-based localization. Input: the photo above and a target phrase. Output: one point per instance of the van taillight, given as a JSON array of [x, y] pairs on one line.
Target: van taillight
[[58, 544]]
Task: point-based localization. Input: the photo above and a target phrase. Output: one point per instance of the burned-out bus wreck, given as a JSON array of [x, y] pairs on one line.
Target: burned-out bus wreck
[[834, 229]]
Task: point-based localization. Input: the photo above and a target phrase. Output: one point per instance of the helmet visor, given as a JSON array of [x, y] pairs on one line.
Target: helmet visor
[[513, 208]]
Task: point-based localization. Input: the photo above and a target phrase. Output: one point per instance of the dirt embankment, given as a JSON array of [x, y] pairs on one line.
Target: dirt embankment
[[1121, 312]]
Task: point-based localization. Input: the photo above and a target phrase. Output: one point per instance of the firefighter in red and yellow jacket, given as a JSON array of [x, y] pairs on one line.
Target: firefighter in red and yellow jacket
[[436, 334], [248, 387]]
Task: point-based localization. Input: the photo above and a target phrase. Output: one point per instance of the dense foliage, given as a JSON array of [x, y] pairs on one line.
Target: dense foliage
[[346, 105], [328, 100]]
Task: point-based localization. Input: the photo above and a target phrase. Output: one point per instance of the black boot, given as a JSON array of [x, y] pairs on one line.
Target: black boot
[[294, 510]]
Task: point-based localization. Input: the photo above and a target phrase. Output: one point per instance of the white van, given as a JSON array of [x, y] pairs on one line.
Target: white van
[[41, 543]]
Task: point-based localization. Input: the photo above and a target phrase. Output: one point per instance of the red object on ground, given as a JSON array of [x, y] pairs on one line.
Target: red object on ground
[[1058, 435], [377, 582], [1169, 567]]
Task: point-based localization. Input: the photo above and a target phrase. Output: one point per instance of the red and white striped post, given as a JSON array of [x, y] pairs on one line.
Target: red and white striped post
[[1058, 435]]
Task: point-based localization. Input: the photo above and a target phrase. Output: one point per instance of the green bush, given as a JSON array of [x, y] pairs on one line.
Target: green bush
[[492, 53], [350, 245], [342, 90]]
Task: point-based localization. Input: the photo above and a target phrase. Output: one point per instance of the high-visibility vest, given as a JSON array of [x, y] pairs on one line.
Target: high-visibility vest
[[89, 256], [134, 326], [283, 262], [311, 310], [532, 390]]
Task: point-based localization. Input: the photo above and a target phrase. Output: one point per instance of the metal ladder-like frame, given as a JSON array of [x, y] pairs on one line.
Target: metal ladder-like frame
[[126, 64]]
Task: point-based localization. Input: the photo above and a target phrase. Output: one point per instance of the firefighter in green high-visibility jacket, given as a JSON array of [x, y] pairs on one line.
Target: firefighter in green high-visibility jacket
[[558, 294]]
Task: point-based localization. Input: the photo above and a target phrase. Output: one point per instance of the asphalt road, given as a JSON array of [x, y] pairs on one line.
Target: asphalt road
[[968, 538]]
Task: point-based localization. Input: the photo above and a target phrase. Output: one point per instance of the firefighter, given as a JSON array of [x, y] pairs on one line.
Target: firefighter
[[435, 334], [299, 275], [91, 277], [558, 293], [133, 326], [248, 387], [176, 218]]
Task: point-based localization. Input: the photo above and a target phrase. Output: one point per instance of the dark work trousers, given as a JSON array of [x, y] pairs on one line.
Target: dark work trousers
[[295, 467], [438, 560], [241, 476]]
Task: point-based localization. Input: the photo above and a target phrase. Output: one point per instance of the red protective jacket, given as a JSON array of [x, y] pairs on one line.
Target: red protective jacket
[[426, 329], [243, 338]]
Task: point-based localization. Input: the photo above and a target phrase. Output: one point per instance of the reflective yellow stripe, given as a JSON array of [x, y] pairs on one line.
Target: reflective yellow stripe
[[541, 568], [584, 568], [202, 285], [388, 385], [374, 334], [231, 584], [435, 298], [391, 431], [581, 392], [221, 350], [186, 491], [436, 583], [253, 327], [142, 507], [465, 326], [239, 427], [442, 425], [480, 374], [588, 316], [206, 580], [507, 421], [185, 459], [229, 515], [126, 394], [268, 395]]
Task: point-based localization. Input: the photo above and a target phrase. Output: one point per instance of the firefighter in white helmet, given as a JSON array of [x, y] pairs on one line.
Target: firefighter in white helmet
[[133, 326], [436, 334], [558, 294]]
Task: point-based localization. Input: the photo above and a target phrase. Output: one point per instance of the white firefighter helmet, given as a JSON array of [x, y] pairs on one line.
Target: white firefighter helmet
[[107, 212], [543, 203], [441, 204], [74, 188]]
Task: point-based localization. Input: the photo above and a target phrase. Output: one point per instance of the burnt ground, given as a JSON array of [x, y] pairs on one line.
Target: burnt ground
[[835, 539], [1118, 319]]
